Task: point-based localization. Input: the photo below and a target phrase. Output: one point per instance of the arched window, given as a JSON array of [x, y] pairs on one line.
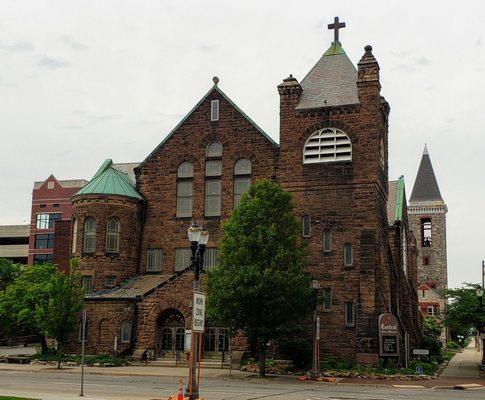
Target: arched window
[[348, 255], [126, 332], [167, 339], [185, 175], [180, 339], [213, 181], [89, 235], [214, 149], [210, 340], [327, 145], [74, 236], [242, 179], [113, 235]]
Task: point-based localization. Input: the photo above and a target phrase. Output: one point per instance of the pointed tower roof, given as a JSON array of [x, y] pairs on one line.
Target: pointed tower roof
[[331, 82], [110, 180], [426, 186]]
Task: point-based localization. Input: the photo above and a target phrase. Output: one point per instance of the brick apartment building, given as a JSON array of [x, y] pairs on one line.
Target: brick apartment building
[[130, 234], [51, 211]]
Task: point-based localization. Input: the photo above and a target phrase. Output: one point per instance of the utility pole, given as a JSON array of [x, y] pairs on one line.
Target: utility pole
[[83, 341]]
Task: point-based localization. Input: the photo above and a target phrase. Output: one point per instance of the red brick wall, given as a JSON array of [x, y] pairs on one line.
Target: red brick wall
[[62, 245]]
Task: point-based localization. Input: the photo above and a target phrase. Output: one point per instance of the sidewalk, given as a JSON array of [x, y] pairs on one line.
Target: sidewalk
[[134, 370], [463, 365]]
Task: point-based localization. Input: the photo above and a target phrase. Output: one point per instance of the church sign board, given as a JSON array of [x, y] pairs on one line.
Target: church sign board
[[388, 335]]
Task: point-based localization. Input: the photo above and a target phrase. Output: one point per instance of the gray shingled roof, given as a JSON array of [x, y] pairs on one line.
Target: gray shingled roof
[[138, 286], [331, 82], [426, 186]]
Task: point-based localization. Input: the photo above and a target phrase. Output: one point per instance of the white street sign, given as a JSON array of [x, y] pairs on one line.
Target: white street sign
[[420, 352], [198, 312]]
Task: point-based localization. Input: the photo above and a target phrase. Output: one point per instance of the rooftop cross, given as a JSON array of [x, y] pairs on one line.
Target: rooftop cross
[[336, 26]]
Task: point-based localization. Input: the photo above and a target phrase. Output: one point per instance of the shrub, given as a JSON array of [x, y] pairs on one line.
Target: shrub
[[299, 351], [452, 345]]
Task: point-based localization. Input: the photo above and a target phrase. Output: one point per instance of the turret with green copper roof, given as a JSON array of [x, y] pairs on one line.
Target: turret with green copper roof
[[110, 181]]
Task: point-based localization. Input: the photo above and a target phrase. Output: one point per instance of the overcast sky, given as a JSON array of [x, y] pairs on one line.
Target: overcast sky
[[81, 81]]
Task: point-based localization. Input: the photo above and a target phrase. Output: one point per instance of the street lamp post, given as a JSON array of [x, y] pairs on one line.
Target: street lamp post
[[315, 334], [198, 238], [481, 329]]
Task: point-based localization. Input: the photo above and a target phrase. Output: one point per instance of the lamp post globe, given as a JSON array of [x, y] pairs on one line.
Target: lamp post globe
[[480, 292], [203, 236], [193, 233]]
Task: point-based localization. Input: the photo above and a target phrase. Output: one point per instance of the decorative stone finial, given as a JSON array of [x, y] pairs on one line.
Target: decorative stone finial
[[368, 48], [425, 151], [215, 80]]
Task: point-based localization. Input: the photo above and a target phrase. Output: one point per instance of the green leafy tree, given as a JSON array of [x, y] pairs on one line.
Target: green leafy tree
[[463, 312], [8, 272], [20, 299], [259, 286], [432, 328], [57, 316]]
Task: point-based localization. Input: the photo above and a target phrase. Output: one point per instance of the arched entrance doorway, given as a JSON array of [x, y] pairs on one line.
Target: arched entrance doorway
[[170, 334]]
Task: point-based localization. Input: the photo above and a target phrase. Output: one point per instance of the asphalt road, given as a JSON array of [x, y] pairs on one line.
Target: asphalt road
[[65, 386]]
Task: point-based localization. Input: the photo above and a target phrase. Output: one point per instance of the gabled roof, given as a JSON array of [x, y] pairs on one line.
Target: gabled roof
[[426, 186], [396, 200], [136, 287], [218, 90], [331, 82], [110, 180], [66, 183]]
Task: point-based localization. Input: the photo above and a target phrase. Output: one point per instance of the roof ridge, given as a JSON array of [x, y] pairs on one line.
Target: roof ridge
[[182, 121]]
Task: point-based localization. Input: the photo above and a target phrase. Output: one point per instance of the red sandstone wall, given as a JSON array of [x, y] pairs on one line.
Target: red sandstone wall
[[101, 264], [158, 175]]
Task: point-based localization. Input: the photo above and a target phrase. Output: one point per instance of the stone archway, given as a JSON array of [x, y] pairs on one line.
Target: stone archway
[[170, 334]]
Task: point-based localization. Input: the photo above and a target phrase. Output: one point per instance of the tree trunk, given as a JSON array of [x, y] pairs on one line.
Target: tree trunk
[[59, 354], [43, 344], [262, 357]]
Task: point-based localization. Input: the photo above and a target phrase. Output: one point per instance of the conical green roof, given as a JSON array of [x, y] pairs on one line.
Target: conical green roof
[[108, 180]]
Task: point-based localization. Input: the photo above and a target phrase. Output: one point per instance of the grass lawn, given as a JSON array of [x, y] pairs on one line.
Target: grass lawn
[[14, 398]]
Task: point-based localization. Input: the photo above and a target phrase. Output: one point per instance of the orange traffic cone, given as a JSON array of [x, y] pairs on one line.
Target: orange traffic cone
[[180, 395]]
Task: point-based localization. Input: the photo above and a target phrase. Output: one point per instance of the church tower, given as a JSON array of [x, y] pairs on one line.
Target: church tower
[[333, 159], [427, 214]]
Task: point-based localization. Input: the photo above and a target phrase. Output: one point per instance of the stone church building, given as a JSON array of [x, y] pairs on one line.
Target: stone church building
[[130, 221]]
